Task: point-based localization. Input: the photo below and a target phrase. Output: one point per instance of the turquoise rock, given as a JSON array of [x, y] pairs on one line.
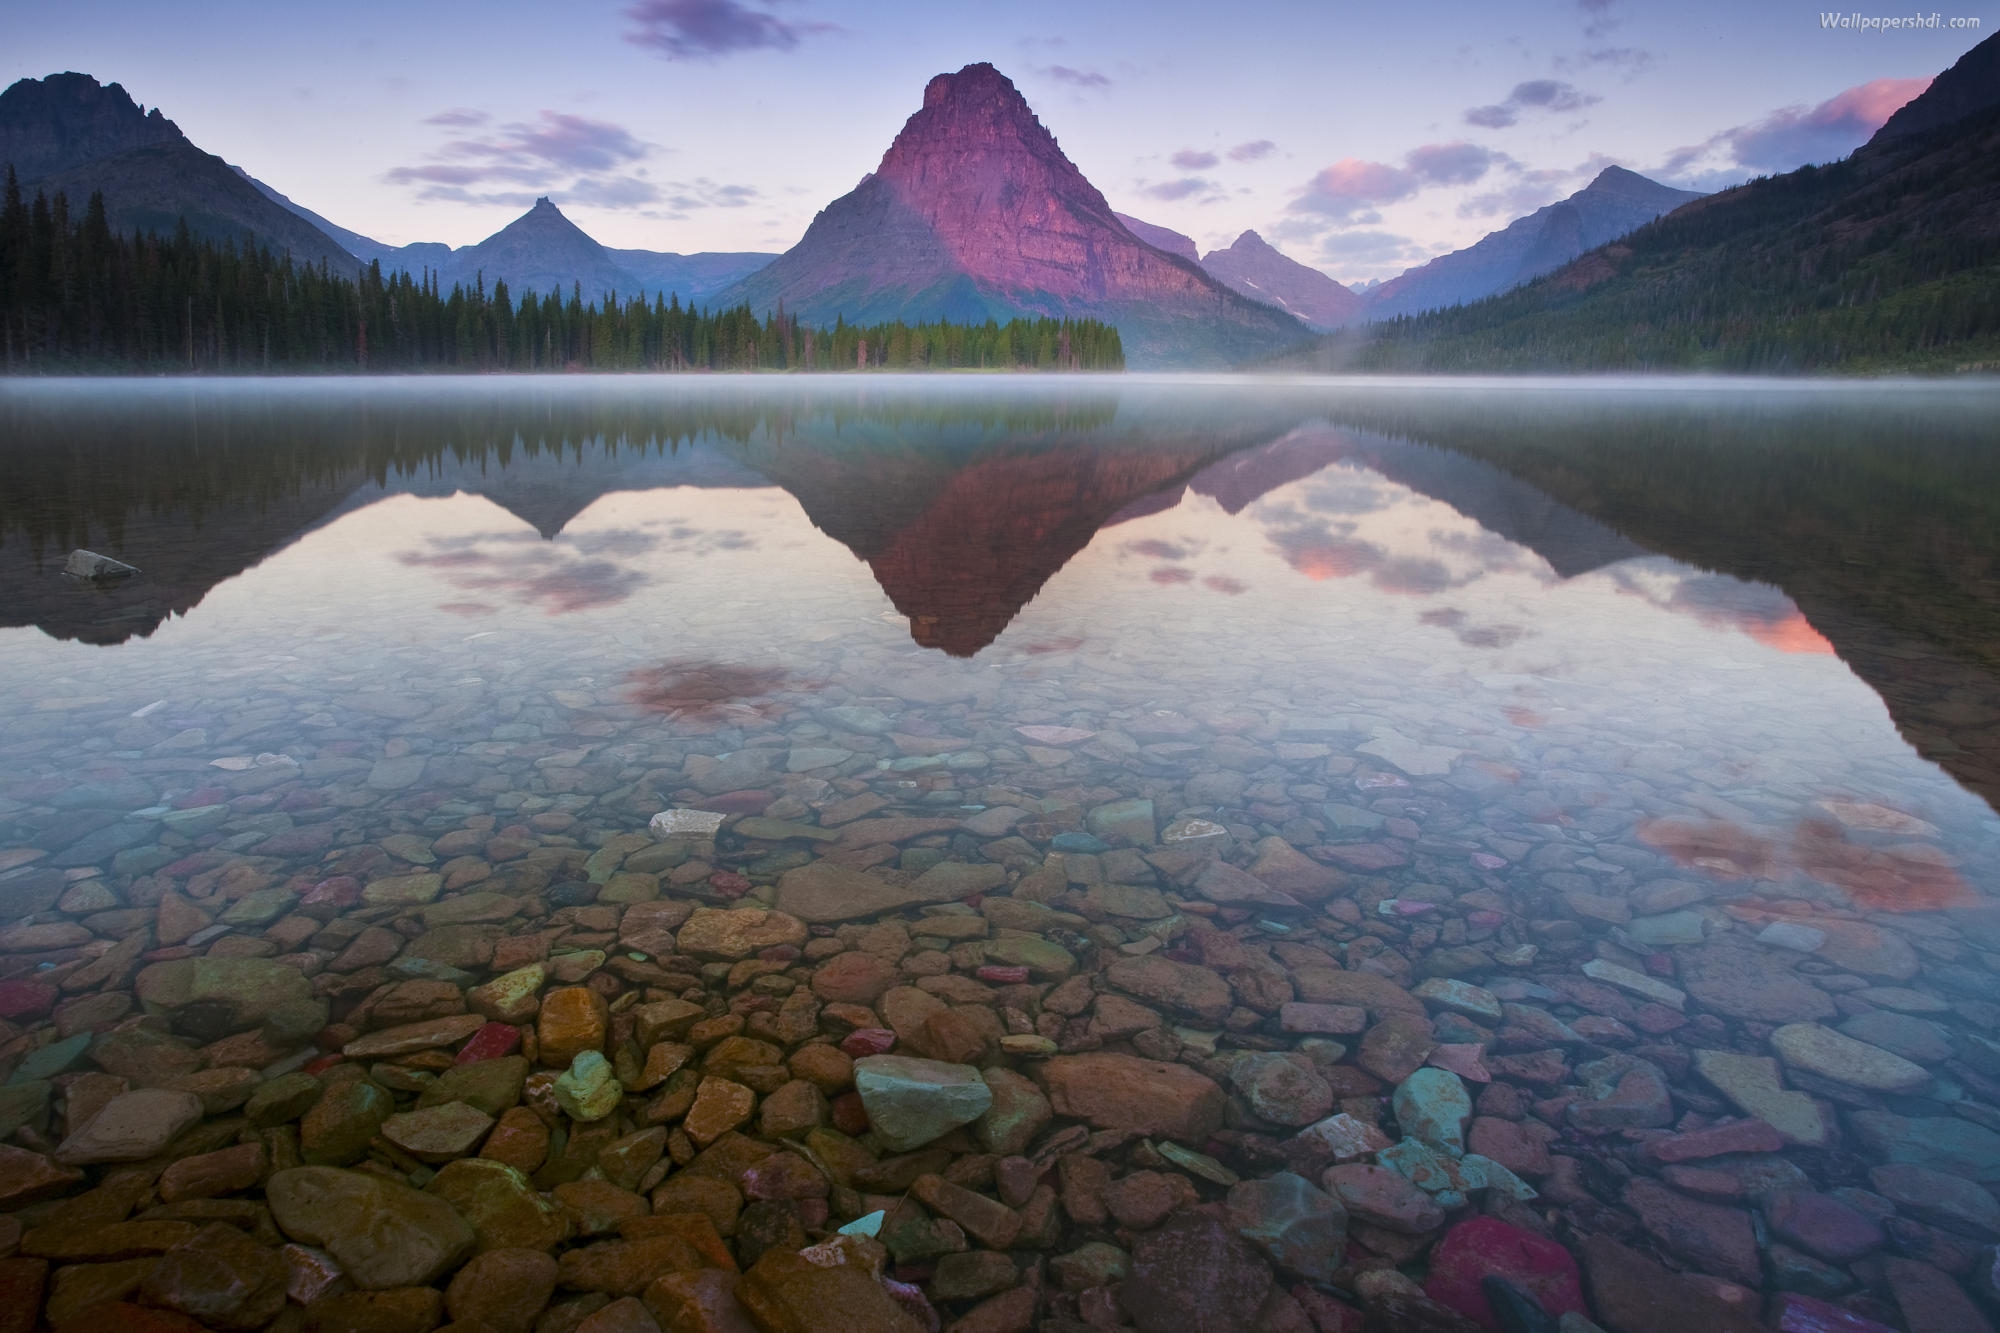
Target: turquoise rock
[[50, 1060], [911, 1102], [1433, 1106], [1078, 842], [1443, 1178], [1956, 1147], [868, 1224], [1301, 1227], [588, 1090], [1490, 1175], [1129, 820]]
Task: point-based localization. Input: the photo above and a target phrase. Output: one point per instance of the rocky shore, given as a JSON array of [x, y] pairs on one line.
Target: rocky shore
[[885, 1014]]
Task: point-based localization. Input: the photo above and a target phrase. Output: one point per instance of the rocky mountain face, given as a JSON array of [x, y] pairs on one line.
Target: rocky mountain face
[[975, 213], [70, 134], [1616, 203], [1161, 238], [1251, 266]]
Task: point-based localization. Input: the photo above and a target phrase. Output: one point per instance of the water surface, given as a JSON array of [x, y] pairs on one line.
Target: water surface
[[1697, 684]]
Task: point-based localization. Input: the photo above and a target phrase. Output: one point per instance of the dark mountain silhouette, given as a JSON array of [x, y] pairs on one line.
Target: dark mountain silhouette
[[974, 213], [1251, 266], [1971, 85], [1617, 202], [69, 134]]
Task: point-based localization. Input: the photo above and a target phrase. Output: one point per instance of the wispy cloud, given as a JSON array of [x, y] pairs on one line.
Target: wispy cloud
[[1351, 189], [1597, 19], [1793, 136], [584, 160], [1177, 189], [1087, 79], [1190, 159], [1254, 151], [711, 29], [1534, 95]]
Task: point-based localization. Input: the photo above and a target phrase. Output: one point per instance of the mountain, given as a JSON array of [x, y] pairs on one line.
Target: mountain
[[1971, 85], [1252, 267], [974, 213], [1161, 238], [1889, 260], [1617, 202], [544, 247], [70, 134]]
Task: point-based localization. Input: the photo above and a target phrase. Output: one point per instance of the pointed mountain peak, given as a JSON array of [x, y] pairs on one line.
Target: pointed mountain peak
[[975, 111], [543, 202], [1253, 244], [1615, 175]]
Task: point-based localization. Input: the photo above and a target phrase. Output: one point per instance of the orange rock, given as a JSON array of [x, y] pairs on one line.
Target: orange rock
[[573, 1019]]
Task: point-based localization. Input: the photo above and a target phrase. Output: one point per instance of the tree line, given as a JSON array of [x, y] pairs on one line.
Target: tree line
[[76, 296]]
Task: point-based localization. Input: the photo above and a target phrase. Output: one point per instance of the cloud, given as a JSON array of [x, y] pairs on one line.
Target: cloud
[[1792, 136], [1180, 189], [1087, 79], [1351, 189], [709, 29], [458, 117], [1254, 151], [1535, 94], [588, 161], [1597, 17], [1631, 61], [1455, 163], [1189, 159]]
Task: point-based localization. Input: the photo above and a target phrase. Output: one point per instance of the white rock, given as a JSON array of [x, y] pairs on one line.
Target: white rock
[[1638, 983], [131, 1127], [684, 823], [84, 564], [1791, 935]]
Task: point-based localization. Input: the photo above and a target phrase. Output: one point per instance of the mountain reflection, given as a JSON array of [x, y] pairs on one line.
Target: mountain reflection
[[1867, 527]]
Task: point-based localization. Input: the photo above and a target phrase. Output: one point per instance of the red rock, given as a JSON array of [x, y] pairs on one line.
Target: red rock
[[738, 802], [1823, 1225], [849, 1116], [27, 999], [868, 1041], [321, 1063], [1513, 1144], [490, 1043], [1001, 974], [21, 1285], [1736, 1136], [340, 891], [853, 978], [1931, 1302], [1483, 1247], [1710, 1237]]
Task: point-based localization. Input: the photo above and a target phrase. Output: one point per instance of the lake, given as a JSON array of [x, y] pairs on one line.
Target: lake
[[1533, 829]]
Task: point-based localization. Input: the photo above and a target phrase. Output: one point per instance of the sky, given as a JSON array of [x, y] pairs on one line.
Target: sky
[[1360, 139]]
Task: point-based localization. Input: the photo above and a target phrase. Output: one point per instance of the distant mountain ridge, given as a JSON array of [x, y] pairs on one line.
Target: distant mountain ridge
[[1888, 260], [1253, 267], [1161, 238], [69, 134], [1616, 203], [541, 251], [974, 214]]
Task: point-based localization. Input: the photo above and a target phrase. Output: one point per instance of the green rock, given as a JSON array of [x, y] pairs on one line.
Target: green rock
[[910, 1102], [282, 1099], [403, 891], [503, 1208], [479, 908], [382, 1233], [1198, 1164], [340, 1124], [493, 1086], [1044, 959], [782, 830], [438, 1133], [47, 1061], [241, 992], [21, 1104], [1433, 1106], [588, 1090], [260, 908], [1017, 1115], [1130, 821]]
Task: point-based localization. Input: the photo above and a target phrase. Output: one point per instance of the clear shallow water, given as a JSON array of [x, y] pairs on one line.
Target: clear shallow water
[[1695, 681]]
